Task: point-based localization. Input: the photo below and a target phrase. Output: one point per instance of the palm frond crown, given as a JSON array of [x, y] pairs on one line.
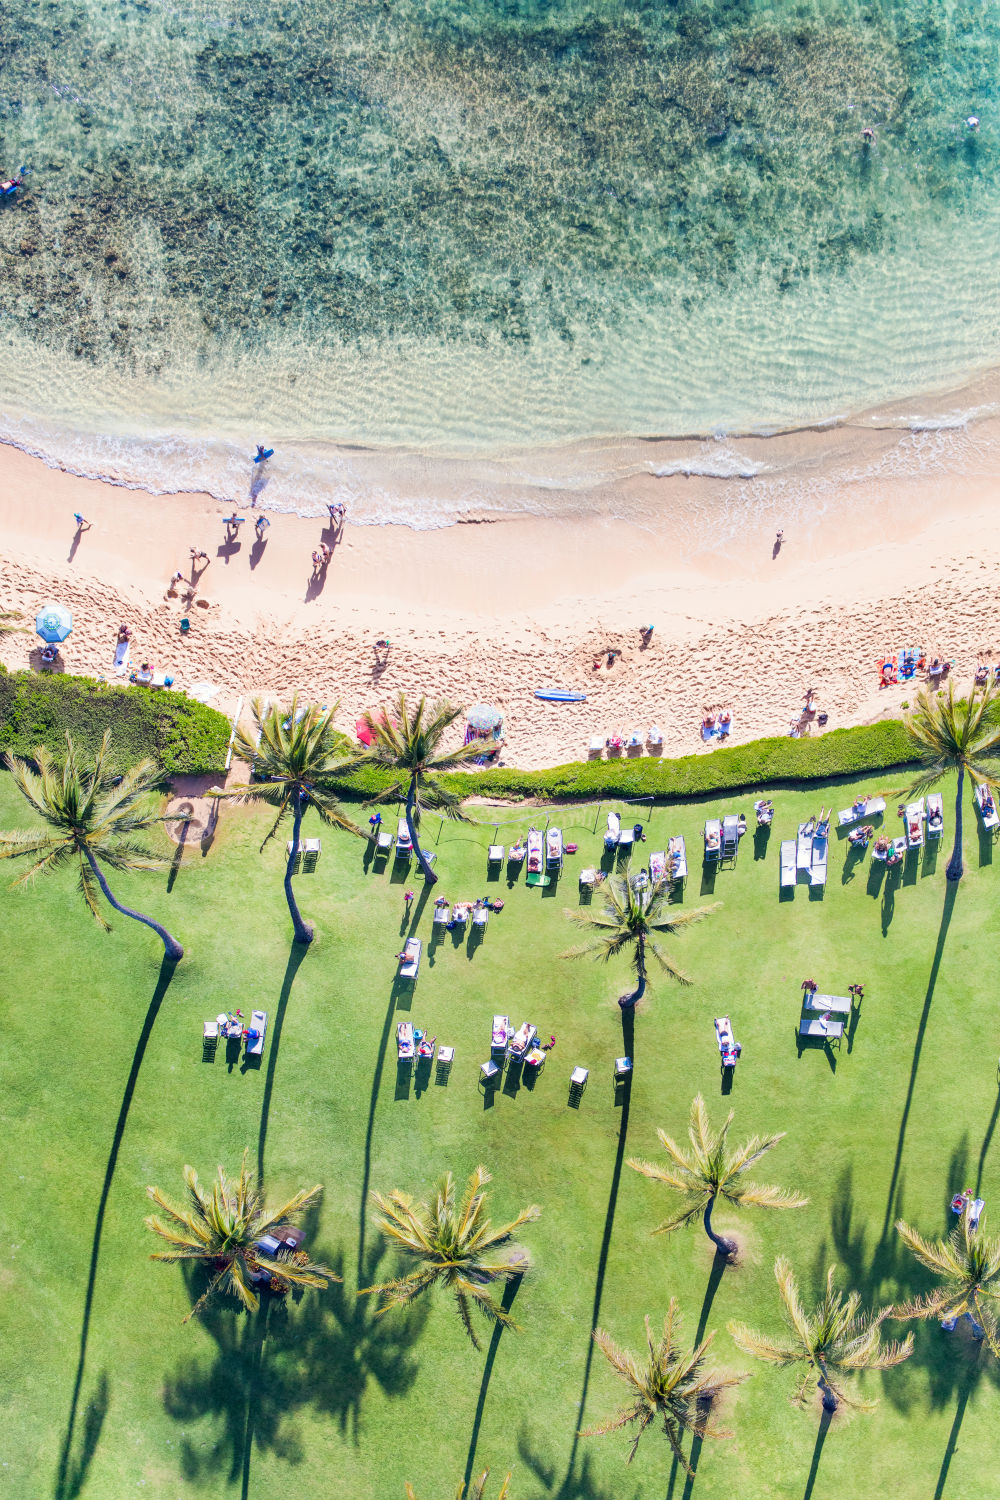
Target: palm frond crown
[[669, 1384], [833, 1340], [709, 1168], [220, 1229], [452, 1243]]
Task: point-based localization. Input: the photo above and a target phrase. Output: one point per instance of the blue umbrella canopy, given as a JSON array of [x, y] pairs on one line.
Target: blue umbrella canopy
[[484, 718], [53, 622]]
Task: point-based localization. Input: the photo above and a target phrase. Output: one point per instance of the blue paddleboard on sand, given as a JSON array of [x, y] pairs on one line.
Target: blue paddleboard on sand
[[554, 695]]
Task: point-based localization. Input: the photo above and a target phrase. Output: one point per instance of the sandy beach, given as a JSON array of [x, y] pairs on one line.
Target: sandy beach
[[492, 611]]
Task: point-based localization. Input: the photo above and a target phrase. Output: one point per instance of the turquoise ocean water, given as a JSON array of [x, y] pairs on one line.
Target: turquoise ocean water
[[449, 231]]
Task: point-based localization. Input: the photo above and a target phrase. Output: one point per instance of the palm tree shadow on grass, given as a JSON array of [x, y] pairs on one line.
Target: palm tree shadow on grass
[[67, 1469], [366, 1171], [296, 954], [569, 1489], [951, 891], [824, 1426], [321, 1351], [510, 1291], [585, 1484], [78, 1465]]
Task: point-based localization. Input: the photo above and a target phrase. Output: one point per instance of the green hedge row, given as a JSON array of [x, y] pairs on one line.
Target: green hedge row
[[181, 735], [841, 752]]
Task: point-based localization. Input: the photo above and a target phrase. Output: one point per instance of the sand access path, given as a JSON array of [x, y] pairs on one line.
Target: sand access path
[[490, 612]]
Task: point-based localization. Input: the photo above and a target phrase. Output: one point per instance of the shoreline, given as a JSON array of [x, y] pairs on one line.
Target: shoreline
[[431, 489], [490, 613]]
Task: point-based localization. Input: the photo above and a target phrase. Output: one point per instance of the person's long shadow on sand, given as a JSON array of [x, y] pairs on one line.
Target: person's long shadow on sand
[[67, 1469], [317, 582]]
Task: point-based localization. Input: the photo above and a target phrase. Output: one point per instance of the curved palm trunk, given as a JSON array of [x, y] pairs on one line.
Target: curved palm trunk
[[422, 860], [171, 947], [726, 1248], [955, 868], [627, 1001], [826, 1390], [303, 932]]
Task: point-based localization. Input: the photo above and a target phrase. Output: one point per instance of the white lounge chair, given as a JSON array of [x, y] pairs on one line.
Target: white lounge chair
[[730, 836], [578, 1080], [657, 865], [713, 839], [626, 839], [831, 1031], [536, 854], [211, 1031], [384, 841], [789, 869], [312, 849], [597, 745], [635, 740], [613, 831], [522, 1039], [588, 876], [445, 1057], [817, 869], [500, 1033], [839, 1004], [804, 845], [442, 915], [258, 1024], [404, 844], [987, 806], [913, 822], [553, 849], [489, 1071], [404, 1040], [516, 853], [409, 964], [727, 1042], [655, 737], [935, 815], [677, 855], [495, 854], [480, 916]]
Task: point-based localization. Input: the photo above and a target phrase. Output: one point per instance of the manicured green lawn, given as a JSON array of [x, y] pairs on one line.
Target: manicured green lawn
[[104, 1090]]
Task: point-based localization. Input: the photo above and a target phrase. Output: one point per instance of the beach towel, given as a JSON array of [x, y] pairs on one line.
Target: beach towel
[[122, 653]]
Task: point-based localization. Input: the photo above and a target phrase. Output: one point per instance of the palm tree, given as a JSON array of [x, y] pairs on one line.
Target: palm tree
[[92, 816], [294, 755], [631, 918], [407, 741], [832, 1341], [968, 1263], [951, 736], [454, 1245], [672, 1385], [220, 1230], [477, 1490], [710, 1170]]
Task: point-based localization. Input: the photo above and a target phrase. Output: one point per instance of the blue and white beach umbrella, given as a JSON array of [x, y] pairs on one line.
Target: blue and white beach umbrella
[[53, 622]]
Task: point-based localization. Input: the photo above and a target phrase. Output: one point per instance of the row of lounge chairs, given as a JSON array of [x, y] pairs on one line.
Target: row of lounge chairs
[[615, 744], [232, 1029], [459, 914], [722, 837], [414, 1043]]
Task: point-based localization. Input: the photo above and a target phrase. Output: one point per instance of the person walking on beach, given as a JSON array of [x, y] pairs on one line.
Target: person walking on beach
[[260, 526], [82, 524], [233, 524], [263, 454], [325, 553]]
